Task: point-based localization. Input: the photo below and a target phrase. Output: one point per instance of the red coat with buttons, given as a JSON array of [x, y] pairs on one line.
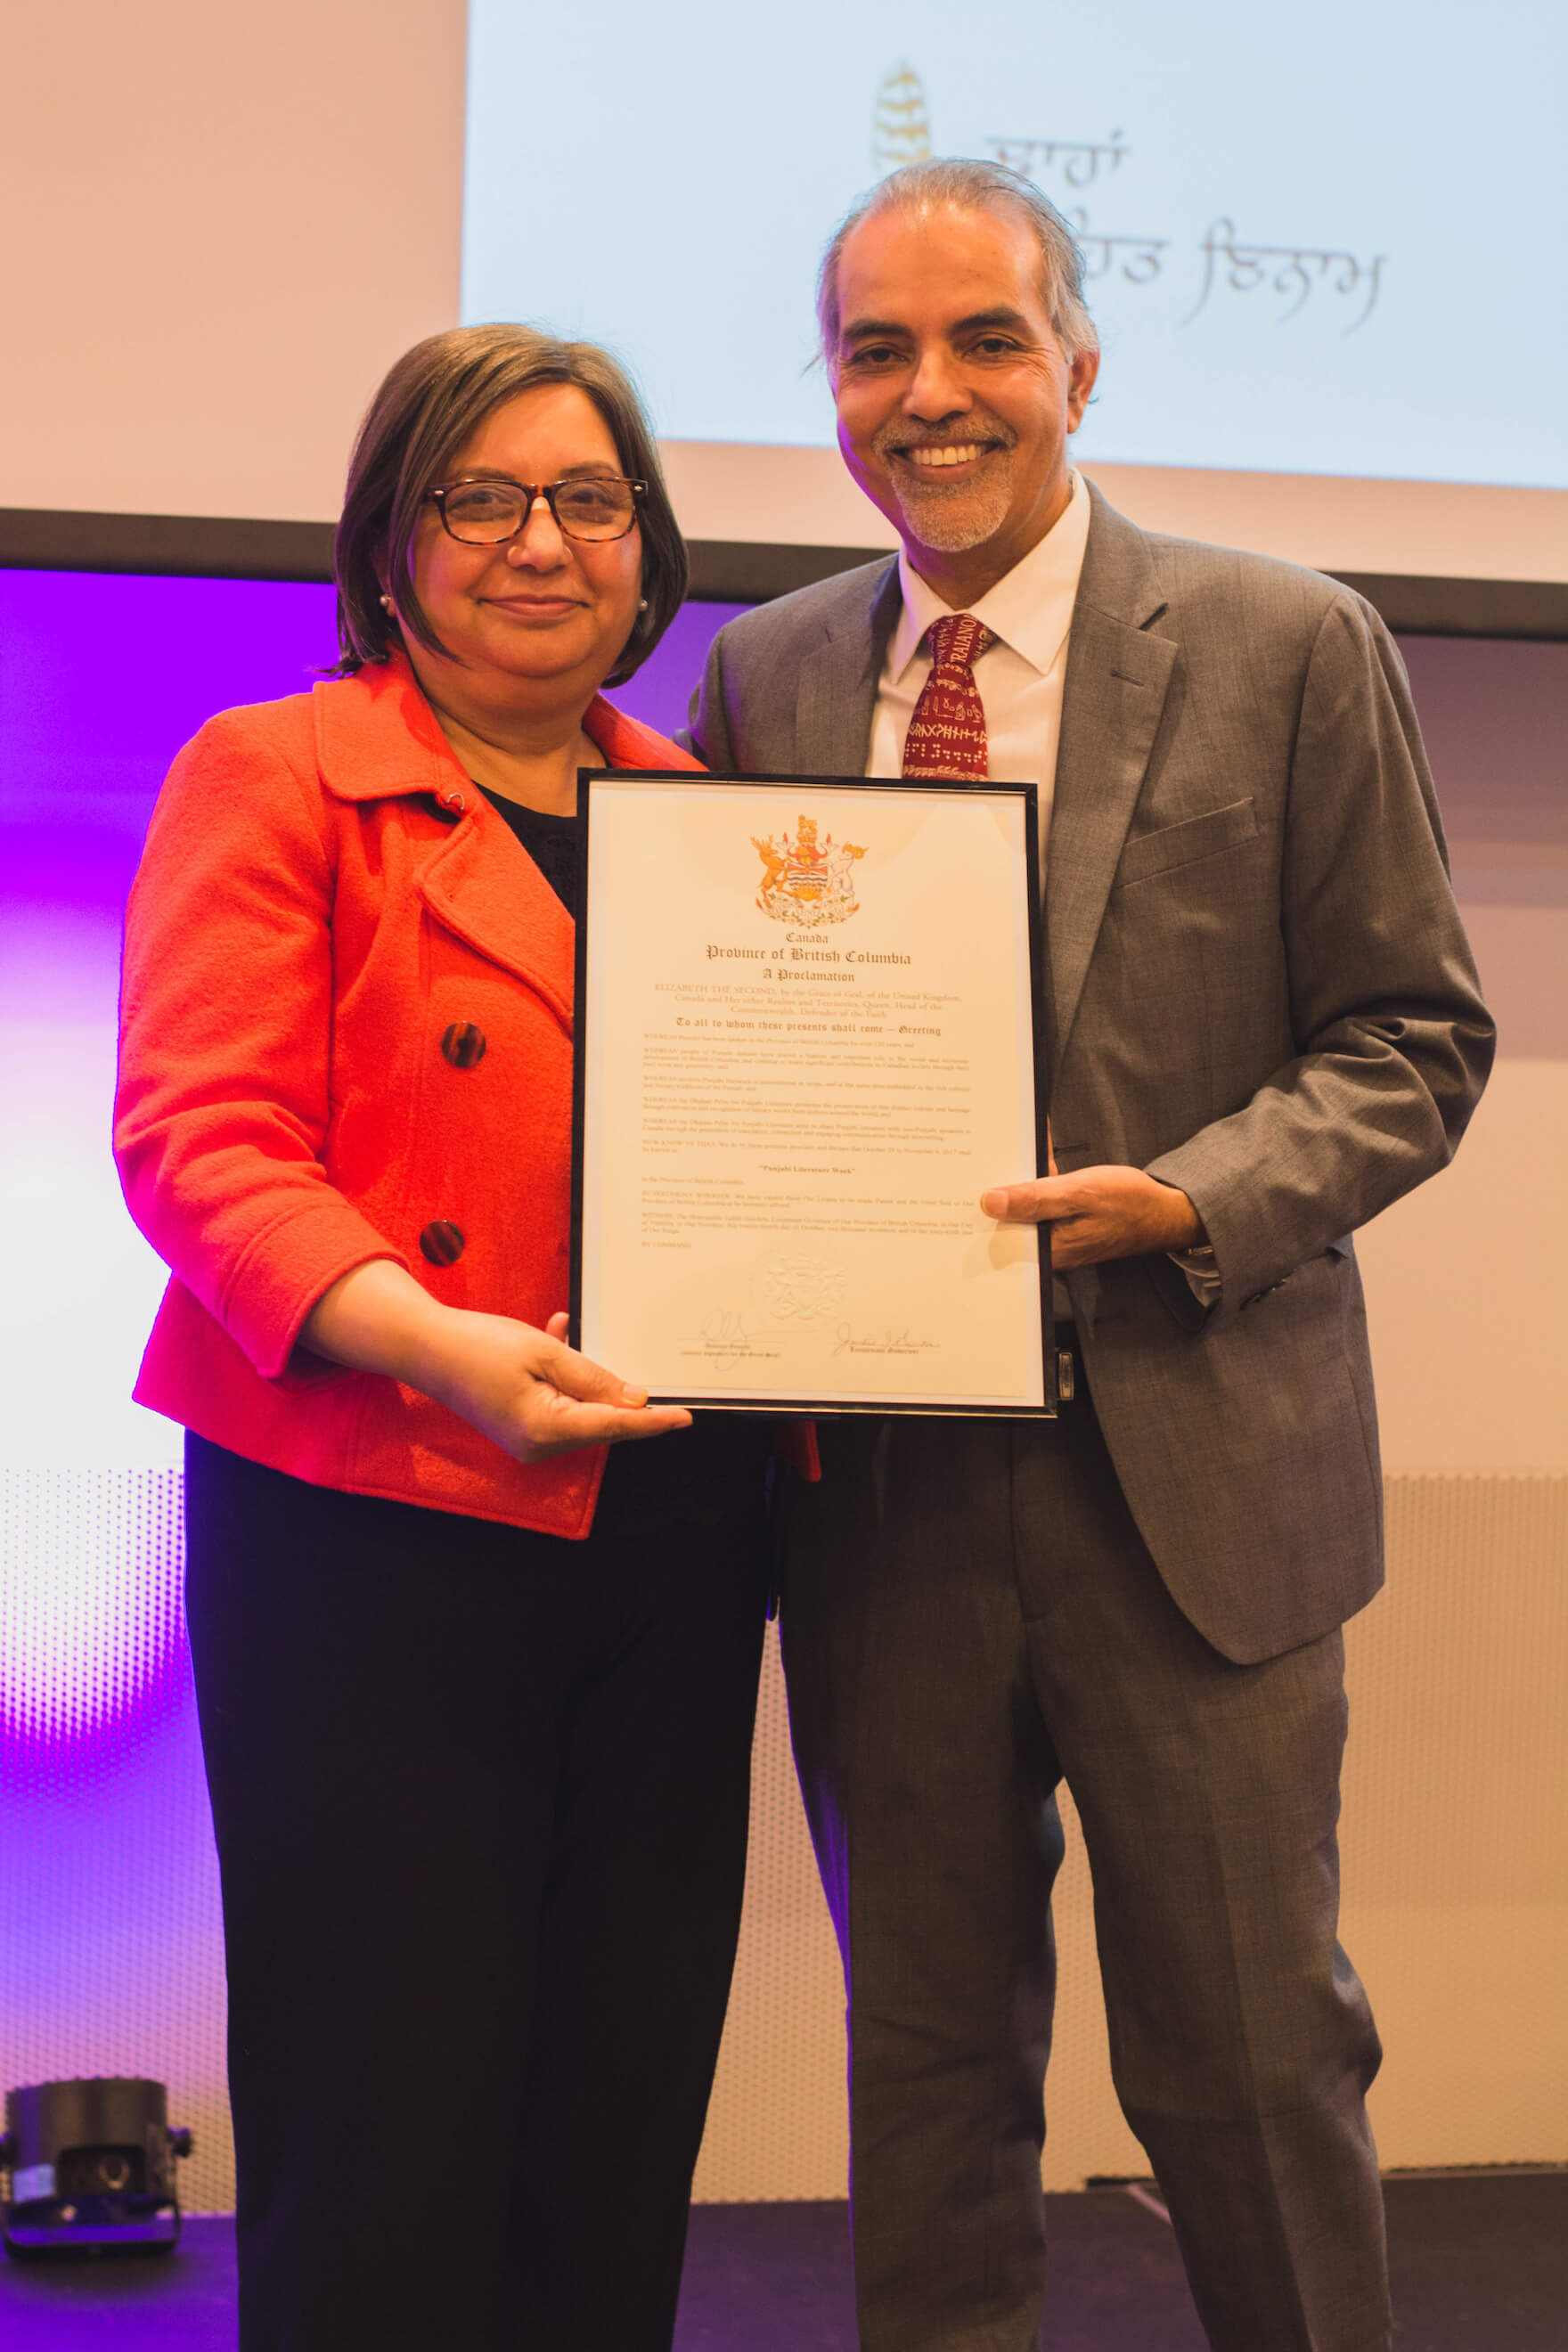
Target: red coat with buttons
[[323, 896]]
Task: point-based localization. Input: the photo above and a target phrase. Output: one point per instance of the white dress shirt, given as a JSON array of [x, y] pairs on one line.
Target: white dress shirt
[[1020, 680]]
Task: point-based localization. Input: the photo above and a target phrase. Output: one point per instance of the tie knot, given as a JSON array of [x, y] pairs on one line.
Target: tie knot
[[958, 640]]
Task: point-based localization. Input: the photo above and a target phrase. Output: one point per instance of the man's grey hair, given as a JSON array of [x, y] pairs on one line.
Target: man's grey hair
[[974, 187]]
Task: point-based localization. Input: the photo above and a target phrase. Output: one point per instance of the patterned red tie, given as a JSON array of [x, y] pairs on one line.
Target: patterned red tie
[[947, 733]]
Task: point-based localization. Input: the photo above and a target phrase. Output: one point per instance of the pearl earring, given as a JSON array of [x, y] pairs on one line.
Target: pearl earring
[[386, 603], [643, 606]]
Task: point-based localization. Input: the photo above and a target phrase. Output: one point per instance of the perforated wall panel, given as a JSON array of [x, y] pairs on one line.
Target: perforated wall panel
[[111, 1953]]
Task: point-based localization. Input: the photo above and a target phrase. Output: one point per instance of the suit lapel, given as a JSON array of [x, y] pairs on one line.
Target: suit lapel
[[1117, 678], [836, 687]]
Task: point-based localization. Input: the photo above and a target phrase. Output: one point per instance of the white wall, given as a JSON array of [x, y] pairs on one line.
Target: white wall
[[1465, 1279], [222, 225]]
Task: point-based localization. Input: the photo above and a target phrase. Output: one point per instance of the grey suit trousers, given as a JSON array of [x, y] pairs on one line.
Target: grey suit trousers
[[970, 1616]]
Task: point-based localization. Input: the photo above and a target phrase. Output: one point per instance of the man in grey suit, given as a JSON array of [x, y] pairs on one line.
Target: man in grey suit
[[1266, 1026]]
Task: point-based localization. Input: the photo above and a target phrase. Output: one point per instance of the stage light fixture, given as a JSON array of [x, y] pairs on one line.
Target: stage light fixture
[[91, 2167]]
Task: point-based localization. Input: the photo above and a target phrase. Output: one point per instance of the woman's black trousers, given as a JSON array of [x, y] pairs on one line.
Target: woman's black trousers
[[480, 1800]]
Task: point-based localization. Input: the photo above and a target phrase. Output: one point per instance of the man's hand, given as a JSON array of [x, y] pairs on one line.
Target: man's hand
[[1099, 1213]]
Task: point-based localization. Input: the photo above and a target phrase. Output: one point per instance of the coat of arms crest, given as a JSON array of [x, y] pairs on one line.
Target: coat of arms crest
[[804, 880]]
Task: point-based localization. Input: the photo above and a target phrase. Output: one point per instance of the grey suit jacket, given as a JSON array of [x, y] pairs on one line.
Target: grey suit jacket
[[1260, 992]]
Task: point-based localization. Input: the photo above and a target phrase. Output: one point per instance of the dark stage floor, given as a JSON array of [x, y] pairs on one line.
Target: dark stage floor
[[1480, 2264]]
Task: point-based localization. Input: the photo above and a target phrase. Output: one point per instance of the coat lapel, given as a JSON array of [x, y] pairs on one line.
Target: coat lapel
[[377, 739], [836, 686], [1117, 678], [482, 885]]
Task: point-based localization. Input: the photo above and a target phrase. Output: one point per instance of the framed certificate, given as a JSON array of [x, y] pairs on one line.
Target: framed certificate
[[806, 1039]]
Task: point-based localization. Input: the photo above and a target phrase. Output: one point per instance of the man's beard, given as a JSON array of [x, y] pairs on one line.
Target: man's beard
[[951, 517]]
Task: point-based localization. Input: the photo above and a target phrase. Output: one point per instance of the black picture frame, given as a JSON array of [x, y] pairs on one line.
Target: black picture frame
[[1040, 1042]]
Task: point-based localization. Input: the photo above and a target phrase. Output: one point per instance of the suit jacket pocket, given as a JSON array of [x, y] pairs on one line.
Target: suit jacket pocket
[[1148, 854]]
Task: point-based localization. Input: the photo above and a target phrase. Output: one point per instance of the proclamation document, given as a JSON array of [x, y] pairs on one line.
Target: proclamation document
[[806, 1044]]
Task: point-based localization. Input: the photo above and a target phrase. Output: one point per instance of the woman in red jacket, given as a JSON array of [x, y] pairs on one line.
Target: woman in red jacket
[[476, 1675]]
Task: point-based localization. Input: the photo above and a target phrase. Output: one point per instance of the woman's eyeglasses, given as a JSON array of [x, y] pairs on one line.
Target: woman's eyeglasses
[[488, 513]]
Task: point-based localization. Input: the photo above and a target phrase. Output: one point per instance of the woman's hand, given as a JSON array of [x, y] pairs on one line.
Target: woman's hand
[[534, 1395], [523, 1388]]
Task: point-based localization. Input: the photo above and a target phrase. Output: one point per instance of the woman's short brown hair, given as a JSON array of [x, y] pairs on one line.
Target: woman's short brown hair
[[430, 403]]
